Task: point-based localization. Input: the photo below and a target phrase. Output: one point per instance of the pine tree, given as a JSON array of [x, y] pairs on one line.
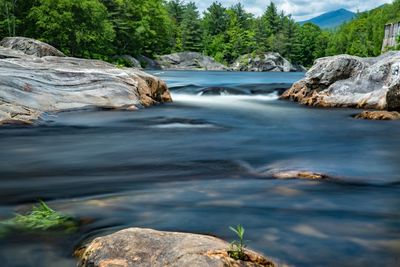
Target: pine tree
[[191, 32]]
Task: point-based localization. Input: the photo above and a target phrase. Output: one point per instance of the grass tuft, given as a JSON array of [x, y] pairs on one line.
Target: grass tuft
[[237, 247], [41, 218]]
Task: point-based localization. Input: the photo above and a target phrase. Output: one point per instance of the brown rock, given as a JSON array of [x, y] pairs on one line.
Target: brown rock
[[379, 115], [308, 175], [146, 247]]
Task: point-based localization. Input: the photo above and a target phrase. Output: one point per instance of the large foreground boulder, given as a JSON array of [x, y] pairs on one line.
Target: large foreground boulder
[[150, 248], [189, 61], [349, 81], [31, 86], [30, 47], [273, 62]]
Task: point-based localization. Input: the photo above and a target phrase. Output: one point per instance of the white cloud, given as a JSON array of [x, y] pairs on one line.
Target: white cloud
[[300, 9]]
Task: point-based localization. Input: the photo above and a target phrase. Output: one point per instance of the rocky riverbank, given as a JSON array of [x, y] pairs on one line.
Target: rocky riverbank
[[189, 61], [146, 247], [349, 81], [266, 62], [36, 78]]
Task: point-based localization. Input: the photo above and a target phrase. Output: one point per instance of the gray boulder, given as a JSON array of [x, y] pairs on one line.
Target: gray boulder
[[349, 81], [150, 248], [148, 63], [30, 47], [31, 86], [189, 61], [273, 62]]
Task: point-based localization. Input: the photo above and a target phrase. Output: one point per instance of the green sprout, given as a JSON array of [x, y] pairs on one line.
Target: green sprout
[[41, 218], [236, 250]]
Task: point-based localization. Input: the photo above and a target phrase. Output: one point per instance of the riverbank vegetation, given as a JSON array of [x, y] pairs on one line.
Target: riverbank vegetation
[[103, 28]]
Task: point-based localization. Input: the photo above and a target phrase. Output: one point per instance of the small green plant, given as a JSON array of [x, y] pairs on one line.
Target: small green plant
[[41, 218], [237, 247]]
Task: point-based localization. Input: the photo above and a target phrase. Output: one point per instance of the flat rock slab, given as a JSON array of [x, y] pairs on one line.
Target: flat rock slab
[[31, 86], [349, 81], [146, 247]]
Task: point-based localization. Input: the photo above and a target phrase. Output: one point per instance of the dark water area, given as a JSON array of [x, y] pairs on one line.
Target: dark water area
[[203, 163]]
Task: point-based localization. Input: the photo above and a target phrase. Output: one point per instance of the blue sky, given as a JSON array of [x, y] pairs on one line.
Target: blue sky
[[300, 9]]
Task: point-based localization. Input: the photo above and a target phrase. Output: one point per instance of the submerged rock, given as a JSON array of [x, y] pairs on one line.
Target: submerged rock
[[31, 86], [379, 115], [295, 174], [30, 47], [273, 62], [349, 81], [189, 61], [146, 247]]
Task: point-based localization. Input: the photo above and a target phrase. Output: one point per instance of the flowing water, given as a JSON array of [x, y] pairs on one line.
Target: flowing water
[[203, 163]]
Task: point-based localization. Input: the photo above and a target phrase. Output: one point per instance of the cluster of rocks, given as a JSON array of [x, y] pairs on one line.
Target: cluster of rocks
[[36, 78], [189, 61], [350, 81], [273, 62], [266, 62]]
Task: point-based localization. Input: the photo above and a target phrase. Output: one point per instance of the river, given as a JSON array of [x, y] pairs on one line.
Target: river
[[203, 163]]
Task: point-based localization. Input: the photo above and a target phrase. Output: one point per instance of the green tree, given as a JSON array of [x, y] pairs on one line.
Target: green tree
[[215, 20], [271, 19], [141, 26], [8, 17], [175, 10], [240, 40], [191, 31], [77, 27], [313, 44], [363, 36]]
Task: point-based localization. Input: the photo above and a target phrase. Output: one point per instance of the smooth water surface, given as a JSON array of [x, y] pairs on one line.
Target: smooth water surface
[[203, 163]]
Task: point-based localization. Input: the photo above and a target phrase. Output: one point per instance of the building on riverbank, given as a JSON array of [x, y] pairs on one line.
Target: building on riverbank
[[392, 32]]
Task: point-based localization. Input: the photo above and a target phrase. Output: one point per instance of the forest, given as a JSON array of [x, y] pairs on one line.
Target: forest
[[103, 28]]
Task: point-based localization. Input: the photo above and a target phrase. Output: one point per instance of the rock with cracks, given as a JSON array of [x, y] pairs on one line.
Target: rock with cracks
[[146, 247], [30, 47], [32, 86], [349, 81]]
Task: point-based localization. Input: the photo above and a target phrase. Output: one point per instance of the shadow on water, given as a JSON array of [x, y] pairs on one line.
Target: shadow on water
[[201, 164]]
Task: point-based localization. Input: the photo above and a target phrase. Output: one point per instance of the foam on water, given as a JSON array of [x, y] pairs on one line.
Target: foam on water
[[226, 101], [182, 125]]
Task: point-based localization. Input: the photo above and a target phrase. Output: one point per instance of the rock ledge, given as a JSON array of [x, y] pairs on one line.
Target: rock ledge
[[33, 85]]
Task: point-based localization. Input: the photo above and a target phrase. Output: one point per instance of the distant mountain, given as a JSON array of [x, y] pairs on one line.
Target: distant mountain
[[332, 19]]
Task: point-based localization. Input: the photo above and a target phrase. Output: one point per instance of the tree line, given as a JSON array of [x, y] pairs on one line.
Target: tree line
[[363, 36], [103, 28]]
